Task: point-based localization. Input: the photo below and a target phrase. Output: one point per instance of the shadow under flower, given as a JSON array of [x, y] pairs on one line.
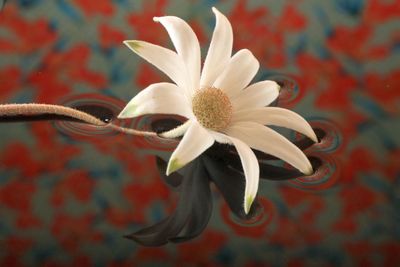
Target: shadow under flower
[[220, 165]]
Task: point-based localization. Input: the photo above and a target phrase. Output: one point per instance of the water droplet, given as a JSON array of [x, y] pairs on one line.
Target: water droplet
[[103, 107], [99, 111]]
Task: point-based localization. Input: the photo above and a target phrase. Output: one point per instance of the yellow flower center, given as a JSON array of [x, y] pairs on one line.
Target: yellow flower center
[[212, 108]]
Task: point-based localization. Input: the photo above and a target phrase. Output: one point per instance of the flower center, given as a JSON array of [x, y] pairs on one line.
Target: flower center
[[212, 108]]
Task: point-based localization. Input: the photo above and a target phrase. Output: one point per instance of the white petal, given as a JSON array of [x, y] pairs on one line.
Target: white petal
[[239, 72], [162, 58], [164, 98], [220, 50], [278, 117], [259, 94], [268, 141], [186, 44], [250, 166], [176, 132], [195, 141]]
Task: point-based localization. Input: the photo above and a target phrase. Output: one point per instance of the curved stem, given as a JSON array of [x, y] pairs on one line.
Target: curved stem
[[132, 131], [33, 109]]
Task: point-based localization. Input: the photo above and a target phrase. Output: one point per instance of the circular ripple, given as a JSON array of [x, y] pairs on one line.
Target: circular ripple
[[324, 177], [158, 123], [332, 138], [289, 93], [254, 227], [103, 107]]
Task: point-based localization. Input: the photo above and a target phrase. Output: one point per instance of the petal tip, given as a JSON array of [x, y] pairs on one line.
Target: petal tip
[[248, 51], [248, 202], [173, 165], [122, 115], [215, 10], [278, 87], [128, 112], [314, 137], [309, 171], [132, 44]]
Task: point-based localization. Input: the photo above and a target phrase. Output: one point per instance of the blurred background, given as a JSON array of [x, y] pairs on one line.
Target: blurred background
[[69, 193]]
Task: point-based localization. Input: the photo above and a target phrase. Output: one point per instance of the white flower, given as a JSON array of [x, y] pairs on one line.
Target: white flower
[[218, 101]]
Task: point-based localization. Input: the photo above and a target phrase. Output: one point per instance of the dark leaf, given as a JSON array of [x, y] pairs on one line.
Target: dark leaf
[[201, 208], [174, 180], [277, 173], [231, 183], [191, 215]]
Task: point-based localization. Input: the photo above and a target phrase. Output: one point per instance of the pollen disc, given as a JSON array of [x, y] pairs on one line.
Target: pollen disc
[[212, 108]]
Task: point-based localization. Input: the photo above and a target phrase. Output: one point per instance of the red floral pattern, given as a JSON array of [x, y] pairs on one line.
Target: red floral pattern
[[67, 201], [248, 24], [23, 39], [90, 8], [53, 80]]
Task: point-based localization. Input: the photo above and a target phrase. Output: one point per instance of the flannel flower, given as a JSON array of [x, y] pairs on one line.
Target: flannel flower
[[217, 100]]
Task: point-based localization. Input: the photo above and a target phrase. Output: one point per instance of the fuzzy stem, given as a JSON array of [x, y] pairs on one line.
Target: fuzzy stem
[[10, 110]]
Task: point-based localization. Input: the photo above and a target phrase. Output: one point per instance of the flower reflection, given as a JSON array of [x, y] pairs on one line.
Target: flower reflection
[[221, 165]]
